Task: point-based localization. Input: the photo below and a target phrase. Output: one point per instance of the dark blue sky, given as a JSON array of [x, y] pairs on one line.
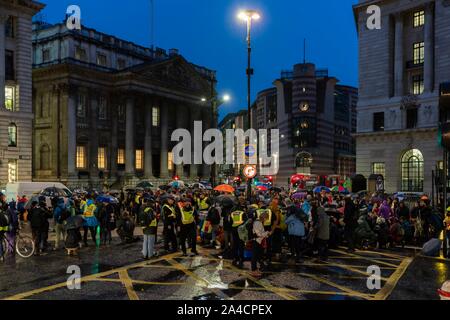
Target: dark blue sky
[[208, 33]]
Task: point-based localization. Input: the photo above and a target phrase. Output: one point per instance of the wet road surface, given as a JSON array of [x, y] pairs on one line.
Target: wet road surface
[[117, 272]]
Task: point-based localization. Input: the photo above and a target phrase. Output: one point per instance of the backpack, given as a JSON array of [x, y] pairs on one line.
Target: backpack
[[243, 231], [4, 219]]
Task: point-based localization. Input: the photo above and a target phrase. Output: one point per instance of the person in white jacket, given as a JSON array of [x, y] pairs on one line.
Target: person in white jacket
[[259, 235]]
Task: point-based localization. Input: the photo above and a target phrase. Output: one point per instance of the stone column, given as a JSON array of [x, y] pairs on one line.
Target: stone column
[[71, 134], [93, 137], [3, 19], [399, 61], [148, 139], [114, 144], [181, 118], [429, 49], [164, 110], [130, 152], [193, 169]]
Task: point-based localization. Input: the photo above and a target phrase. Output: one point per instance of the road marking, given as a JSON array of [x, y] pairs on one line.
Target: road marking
[[386, 291], [367, 258], [126, 281]]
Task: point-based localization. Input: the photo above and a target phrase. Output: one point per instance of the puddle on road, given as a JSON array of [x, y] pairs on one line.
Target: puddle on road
[[206, 297]]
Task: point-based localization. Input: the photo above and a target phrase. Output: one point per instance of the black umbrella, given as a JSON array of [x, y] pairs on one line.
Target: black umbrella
[[226, 200], [74, 222], [145, 185], [53, 192], [165, 187]]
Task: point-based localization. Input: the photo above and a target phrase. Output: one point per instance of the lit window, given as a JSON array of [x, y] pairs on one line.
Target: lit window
[[81, 107], [170, 161], [101, 59], [121, 156], [139, 159], [12, 135], [304, 106], [101, 158], [102, 115], [419, 18], [417, 84], [9, 98], [419, 52], [155, 116], [12, 171], [81, 157], [379, 168]]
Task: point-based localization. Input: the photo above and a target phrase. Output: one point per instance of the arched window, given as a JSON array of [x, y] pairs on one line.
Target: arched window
[[45, 157], [412, 171], [12, 135], [303, 162]]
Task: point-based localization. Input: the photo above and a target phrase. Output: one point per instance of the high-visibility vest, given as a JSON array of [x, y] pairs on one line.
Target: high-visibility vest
[[187, 217], [283, 224], [268, 221], [238, 218], [154, 221], [4, 229], [202, 204], [89, 210], [137, 199], [172, 210]]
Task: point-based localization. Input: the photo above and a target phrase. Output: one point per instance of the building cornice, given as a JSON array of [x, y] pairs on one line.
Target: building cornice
[[394, 132], [31, 7]]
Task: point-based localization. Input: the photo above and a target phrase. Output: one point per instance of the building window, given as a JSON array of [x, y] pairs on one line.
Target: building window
[[45, 55], [303, 162], [170, 161], [101, 158], [101, 59], [10, 98], [81, 106], [12, 171], [412, 165], [9, 65], [81, 157], [419, 18], [45, 157], [155, 116], [121, 64], [12, 135], [80, 53], [411, 118], [102, 110], [121, 112], [378, 121], [419, 52], [10, 27], [379, 168], [139, 159], [121, 156], [417, 84]]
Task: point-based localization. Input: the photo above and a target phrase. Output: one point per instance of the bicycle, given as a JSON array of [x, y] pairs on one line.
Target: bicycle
[[24, 246]]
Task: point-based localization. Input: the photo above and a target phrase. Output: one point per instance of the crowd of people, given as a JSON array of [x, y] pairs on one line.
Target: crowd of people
[[274, 225]]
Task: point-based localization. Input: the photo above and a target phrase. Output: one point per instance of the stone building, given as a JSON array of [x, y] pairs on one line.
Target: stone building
[[105, 108], [402, 66], [316, 118], [16, 117]]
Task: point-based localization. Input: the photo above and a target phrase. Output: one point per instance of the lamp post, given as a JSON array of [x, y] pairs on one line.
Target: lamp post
[[248, 16]]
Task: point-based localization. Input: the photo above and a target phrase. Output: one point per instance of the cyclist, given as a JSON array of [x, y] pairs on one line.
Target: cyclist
[[11, 212], [4, 223]]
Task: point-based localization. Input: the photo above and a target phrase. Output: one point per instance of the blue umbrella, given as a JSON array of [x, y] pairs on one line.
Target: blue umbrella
[[107, 199], [320, 189]]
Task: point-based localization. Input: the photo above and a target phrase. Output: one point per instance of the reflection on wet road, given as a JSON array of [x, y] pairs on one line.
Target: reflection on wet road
[[205, 277]]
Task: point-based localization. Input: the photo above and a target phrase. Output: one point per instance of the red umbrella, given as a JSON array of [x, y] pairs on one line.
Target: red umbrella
[[262, 188], [224, 188]]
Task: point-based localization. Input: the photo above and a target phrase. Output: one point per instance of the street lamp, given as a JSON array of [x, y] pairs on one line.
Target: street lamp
[[248, 16]]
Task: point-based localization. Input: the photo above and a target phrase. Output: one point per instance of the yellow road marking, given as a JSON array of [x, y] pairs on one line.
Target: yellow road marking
[[367, 258], [152, 283], [353, 269], [126, 281], [182, 268], [386, 291], [392, 255]]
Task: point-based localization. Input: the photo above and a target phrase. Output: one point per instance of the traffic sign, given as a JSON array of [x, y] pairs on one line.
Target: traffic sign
[[250, 150], [250, 171]]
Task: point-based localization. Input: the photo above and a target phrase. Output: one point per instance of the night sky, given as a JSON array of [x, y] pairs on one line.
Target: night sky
[[208, 33]]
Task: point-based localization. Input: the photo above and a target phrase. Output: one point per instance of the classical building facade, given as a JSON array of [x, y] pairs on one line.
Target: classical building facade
[[316, 118], [402, 66], [105, 108], [16, 117]]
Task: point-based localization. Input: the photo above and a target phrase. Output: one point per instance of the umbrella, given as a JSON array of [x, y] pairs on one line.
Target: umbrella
[[339, 189], [224, 188], [164, 187], [320, 189], [225, 200], [53, 192], [299, 195], [74, 222], [107, 199], [178, 184], [262, 188], [145, 185]]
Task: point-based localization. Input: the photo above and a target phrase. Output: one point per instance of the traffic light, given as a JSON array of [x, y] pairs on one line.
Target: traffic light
[[176, 178]]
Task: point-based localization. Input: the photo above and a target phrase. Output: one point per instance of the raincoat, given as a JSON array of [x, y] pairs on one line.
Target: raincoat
[[89, 211]]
